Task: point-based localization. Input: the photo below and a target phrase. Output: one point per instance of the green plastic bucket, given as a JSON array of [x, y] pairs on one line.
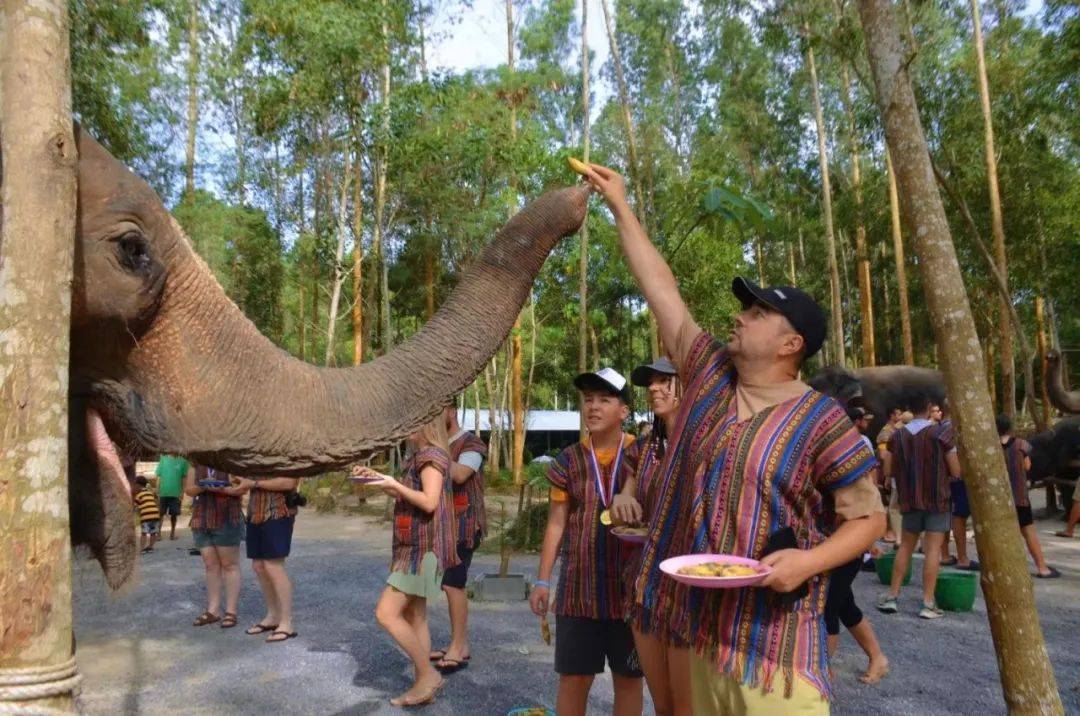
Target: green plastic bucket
[[955, 591], [883, 565]]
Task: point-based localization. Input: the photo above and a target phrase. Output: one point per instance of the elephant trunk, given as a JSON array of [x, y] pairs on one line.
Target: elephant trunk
[[1067, 401], [205, 383]]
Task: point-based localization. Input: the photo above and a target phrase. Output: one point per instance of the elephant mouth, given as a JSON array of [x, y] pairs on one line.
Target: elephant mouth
[[99, 492]]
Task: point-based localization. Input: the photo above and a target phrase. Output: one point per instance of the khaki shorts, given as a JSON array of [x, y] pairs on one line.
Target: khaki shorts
[[715, 693]]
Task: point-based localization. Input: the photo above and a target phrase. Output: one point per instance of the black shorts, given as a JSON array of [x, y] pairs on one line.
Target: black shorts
[[458, 576], [1023, 514], [960, 506], [582, 645], [170, 506], [271, 539]]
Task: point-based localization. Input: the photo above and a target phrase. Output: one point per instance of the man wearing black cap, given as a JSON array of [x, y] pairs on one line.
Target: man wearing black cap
[[590, 604], [759, 468]]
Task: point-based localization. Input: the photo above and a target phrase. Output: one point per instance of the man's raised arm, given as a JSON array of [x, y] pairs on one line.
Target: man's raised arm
[[677, 327]]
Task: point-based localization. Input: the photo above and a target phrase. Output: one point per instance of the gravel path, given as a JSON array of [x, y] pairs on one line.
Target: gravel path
[[139, 654]]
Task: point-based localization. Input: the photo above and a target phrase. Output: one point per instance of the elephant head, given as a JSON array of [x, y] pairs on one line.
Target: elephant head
[[171, 365], [1067, 401]]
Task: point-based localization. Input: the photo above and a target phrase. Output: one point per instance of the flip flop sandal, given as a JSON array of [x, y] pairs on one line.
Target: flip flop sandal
[[437, 655], [228, 621], [948, 562], [972, 567], [206, 618], [449, 666], [286, 636], [427, 698], [1054, 574], [260, 628]]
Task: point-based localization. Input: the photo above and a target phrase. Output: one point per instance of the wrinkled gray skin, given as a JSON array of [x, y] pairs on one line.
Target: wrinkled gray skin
[[172, 366], [1056, 452], [879, 389]]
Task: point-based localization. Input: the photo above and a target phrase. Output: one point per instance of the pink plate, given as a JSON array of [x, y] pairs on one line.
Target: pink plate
[[672, 566], [631, 538]]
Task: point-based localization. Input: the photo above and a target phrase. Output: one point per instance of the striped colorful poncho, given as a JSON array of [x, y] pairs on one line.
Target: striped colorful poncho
[[417, 532], [469, 508], [918, 466], [1016, 451], [213, 510], [593, 559], [725, 486]]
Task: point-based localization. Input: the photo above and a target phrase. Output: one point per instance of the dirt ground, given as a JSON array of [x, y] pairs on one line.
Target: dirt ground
[[139, 653]]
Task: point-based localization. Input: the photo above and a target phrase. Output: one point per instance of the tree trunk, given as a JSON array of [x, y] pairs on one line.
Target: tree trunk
[[517, 459], [38, 204], [791, 262], [901, 267], [836, 322], [862, 253], [1028, 682], [358, 261], [583, 260], [1000, 283], [1040, 335], [339, 259], [193, 97], [381, 155], [997, 222]]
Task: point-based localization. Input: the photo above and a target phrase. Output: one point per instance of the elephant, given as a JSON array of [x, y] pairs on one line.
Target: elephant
[[1067, 401], [163, 362], [879, 389], [1056, 452]]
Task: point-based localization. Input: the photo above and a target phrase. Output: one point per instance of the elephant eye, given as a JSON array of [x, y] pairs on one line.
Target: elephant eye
[[134, 251]]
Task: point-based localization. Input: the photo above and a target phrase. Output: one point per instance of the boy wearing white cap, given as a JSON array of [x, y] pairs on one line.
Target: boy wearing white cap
[[589, 605]]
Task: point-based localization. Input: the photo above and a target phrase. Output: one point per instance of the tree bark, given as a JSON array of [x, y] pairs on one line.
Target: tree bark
[[1040, 336], [381, 156], [997, 222], [193, 97], [517, 459], [901, 266], [1028, 682], [862, 253], [358, 261], [339, 259], [836, 324], [583, 259], [38, 223]]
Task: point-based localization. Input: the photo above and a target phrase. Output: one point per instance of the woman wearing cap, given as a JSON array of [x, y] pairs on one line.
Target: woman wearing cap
[[664, 655]]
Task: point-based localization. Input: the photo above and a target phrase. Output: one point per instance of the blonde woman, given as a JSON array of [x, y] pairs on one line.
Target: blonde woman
[[424, 546]]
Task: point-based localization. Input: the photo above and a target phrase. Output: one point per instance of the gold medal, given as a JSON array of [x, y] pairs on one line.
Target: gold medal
[[605, 517]]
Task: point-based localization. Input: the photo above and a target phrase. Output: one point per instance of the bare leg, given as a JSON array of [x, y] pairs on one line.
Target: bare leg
[[230, 575], [392, 613], [959, 530], [932, 564], [628, 695], [653, 657], [1035, 549], [679, 676], [153, 540], [458, 604], [172, 527], [878, 665], [269, 594], [1074, 518], [573, 695], [903, 559], [283, 593], [213, 580]]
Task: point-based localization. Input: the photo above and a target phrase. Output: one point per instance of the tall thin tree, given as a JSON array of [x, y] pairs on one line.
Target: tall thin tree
[[836, 322], [901, 264], [382, 152], [583, 260], [193, 97], [1027, 679], [37, 666], [997, 221]]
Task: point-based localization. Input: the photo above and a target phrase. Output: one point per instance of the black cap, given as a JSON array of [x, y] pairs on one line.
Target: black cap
[[856, 413], [608, 380], [642, 375], [801, 310]]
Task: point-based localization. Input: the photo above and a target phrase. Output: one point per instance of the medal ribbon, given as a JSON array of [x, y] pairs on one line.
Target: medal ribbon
[[606, 495]]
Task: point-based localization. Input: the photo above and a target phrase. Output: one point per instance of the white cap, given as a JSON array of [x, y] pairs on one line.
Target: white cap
[[608, 376]]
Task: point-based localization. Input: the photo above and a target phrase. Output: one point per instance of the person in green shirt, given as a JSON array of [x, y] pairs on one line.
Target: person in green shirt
[[170, 472]]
